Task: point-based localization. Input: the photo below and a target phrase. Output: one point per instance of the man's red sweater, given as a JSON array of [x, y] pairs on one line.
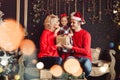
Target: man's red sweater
[[82, 44]]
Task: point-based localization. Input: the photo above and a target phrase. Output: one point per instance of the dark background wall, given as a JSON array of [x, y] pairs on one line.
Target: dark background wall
[[103, 33]]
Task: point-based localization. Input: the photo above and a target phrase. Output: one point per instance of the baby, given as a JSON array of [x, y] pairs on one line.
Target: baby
[[65, 32]]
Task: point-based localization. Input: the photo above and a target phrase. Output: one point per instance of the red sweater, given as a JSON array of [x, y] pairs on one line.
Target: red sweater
[[47, 45], [82, 44]]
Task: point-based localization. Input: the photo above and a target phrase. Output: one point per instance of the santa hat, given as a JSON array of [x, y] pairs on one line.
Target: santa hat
[[77, 16], [63, 15]]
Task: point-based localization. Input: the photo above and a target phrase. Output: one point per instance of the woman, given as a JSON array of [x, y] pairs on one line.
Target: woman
[[48, 49]]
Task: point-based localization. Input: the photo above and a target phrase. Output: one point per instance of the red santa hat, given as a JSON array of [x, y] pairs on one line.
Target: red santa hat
[[77, 16], [63, 15]]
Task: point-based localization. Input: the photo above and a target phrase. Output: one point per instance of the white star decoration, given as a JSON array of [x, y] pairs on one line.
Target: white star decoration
[[4, 59]]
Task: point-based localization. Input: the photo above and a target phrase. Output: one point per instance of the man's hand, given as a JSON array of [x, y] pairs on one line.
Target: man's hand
[[69, 46]]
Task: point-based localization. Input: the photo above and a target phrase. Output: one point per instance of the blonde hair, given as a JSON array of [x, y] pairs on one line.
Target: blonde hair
[[49, 21]]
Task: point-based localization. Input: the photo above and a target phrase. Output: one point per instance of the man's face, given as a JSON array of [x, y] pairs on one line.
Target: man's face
[[75, 24]]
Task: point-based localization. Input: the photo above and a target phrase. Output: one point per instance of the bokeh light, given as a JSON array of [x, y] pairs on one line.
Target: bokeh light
[[118, 47], [111, 45], [27, 47], [40, 65], [11, 34]]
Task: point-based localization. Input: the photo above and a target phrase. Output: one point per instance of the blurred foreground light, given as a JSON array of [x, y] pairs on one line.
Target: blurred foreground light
[[40, 65], [17, 77], [4, 62], [11, 34], [1, 69], [27, 47]]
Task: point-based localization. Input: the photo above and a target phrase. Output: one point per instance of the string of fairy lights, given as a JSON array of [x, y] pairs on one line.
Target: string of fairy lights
[[40, 9], [116, 12]]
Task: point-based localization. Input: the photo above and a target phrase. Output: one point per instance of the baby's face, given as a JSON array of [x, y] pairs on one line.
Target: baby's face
[[64, 21]]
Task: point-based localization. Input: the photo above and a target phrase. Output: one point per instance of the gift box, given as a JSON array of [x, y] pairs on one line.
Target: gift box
[[63, 39]]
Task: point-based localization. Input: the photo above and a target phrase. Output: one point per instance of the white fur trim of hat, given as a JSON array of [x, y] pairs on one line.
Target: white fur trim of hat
[[76, 16]]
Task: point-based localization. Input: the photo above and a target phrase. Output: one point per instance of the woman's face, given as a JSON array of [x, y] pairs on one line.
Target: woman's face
[[64, 21], [55, 22]]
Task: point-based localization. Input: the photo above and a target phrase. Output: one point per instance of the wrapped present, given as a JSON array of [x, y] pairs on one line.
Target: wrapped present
[[63, 39]]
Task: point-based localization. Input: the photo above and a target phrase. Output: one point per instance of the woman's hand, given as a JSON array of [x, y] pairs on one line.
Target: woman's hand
[[57, 30]]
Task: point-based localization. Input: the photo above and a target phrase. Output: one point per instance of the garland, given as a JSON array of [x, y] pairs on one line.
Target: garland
[[39, 11], [116, 13]]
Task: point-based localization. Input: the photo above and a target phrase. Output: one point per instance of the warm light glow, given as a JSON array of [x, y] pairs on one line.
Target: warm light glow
[[11, 34], [40, 65], [119, 23], [1, 69], [115, 11], [27, 47], [17, 77], [118, 47]]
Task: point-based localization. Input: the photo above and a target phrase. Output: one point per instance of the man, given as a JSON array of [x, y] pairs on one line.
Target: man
[[81, 43]]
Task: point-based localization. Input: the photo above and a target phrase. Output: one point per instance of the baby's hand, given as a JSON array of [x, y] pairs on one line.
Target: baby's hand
[[70, 34]]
